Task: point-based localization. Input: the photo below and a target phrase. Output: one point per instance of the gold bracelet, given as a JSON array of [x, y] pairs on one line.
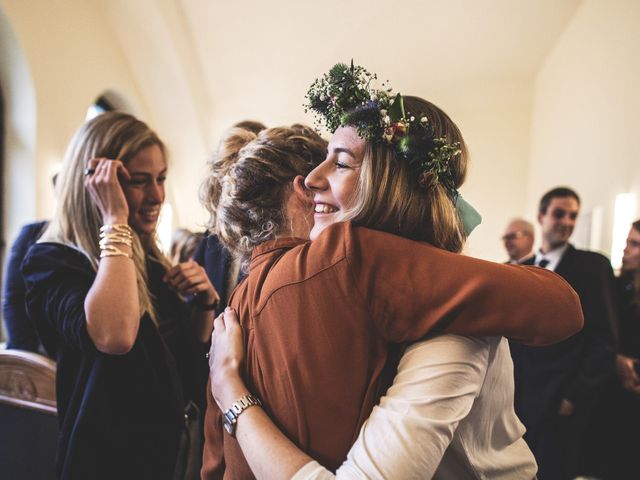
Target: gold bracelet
[[116, 227], [110, 238], [116, 233], [113, 251]]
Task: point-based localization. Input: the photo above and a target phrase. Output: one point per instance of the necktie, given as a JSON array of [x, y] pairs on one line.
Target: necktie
[[543, 263]]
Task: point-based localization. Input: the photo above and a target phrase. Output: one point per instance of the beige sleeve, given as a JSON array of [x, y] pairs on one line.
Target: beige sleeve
[[408, 432]]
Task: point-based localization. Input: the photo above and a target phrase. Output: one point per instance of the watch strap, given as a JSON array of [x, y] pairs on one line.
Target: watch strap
[[236, 408]]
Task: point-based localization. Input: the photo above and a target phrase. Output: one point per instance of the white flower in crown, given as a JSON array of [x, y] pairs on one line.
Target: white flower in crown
[[387, 135], [424, 120]]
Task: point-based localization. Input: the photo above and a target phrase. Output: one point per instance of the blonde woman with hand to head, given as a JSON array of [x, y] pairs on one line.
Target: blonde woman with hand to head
[[108, 307]]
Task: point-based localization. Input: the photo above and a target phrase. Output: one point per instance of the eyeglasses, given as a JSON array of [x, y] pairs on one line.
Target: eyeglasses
[[513, 235]]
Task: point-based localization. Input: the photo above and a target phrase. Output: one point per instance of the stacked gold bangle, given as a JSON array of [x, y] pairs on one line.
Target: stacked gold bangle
[[112, 235]]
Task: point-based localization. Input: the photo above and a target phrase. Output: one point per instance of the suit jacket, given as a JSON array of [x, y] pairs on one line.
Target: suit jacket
[[628, 316], [20, 328], [215, 258], [577, 368]]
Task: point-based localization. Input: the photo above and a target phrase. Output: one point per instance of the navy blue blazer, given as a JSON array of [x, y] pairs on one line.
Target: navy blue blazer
[[215, 258], [20, 328]]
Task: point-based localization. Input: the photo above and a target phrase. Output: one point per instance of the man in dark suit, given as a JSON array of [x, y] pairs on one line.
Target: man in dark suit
[[558, 387]]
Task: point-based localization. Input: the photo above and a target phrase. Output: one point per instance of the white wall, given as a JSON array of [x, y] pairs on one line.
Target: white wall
[[20, 140], [494, 117], [154, 40], [586, 108], [64, 54]]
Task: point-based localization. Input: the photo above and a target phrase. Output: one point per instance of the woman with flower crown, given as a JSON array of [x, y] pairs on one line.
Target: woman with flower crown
[[325, 321], [107, 306]]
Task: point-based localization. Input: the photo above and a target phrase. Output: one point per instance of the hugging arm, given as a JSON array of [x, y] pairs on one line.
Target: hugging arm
[[412, 287], [449, 368], [269, 453]]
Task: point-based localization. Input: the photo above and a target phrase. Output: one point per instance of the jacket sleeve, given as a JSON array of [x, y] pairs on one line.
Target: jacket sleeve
[[20, 328], [213, 455], [57, 282], [597, 360], [437, 382], [412, 287]]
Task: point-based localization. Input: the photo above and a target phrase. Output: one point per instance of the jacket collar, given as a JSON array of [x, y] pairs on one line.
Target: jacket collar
[[277, 244]]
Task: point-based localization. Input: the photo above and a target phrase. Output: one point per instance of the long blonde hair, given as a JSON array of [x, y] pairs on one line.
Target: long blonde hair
[[77, 220], [388, 195]]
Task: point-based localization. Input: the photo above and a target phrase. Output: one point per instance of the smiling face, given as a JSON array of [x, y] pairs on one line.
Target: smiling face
[[631, 256], [145, 190], [558, 222], [334, 181]]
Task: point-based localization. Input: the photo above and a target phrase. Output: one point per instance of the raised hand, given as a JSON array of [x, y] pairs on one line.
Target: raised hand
[[626, 370], [189, 278], [103, 184]]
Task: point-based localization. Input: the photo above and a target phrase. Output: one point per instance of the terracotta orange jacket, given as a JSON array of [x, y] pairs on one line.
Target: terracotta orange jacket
[[323, 319]]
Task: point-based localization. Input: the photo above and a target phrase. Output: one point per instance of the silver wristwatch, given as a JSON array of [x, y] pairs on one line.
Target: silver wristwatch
[[231, 416]]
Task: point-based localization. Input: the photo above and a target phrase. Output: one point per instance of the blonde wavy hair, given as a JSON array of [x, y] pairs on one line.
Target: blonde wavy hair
[[77, 220], [388, 196], [219, 164], [247, 197]]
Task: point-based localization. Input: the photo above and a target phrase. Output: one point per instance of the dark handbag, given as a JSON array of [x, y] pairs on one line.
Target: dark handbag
[[189, 460]]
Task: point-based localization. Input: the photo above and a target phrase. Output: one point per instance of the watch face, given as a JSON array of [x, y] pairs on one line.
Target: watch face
[[228, 426]]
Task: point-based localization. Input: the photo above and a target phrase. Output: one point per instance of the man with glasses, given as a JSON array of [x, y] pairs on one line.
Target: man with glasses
[[558, 387], [518, 240]]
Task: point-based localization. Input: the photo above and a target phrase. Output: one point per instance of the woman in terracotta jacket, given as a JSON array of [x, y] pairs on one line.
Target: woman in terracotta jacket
[[325, 320]]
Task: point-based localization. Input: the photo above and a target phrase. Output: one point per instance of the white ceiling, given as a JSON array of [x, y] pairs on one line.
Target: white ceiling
[[256, 59], [201, 65], [434, 40], [271, 51]]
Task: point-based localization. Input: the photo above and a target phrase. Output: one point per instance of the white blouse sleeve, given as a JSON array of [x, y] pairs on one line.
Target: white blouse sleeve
[[407, 434]]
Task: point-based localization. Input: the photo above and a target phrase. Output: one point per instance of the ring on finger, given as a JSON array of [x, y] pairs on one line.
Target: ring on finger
[[89, 171]]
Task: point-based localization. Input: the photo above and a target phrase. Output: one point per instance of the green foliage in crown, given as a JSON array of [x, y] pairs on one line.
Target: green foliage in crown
[[346, 95]]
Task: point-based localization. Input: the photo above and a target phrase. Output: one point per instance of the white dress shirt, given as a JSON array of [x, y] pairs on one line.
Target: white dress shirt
[[553, 256]]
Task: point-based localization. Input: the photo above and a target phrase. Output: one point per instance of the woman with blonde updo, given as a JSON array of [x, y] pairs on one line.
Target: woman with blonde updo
[[255, 188], [325, 320], [106, 304], [222, 268]]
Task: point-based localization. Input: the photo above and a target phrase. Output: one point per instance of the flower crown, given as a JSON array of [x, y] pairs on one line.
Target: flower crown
[[346, 96]]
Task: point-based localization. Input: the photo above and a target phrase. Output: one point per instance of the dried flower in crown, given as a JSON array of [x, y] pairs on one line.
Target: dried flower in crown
[[346, 95]]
